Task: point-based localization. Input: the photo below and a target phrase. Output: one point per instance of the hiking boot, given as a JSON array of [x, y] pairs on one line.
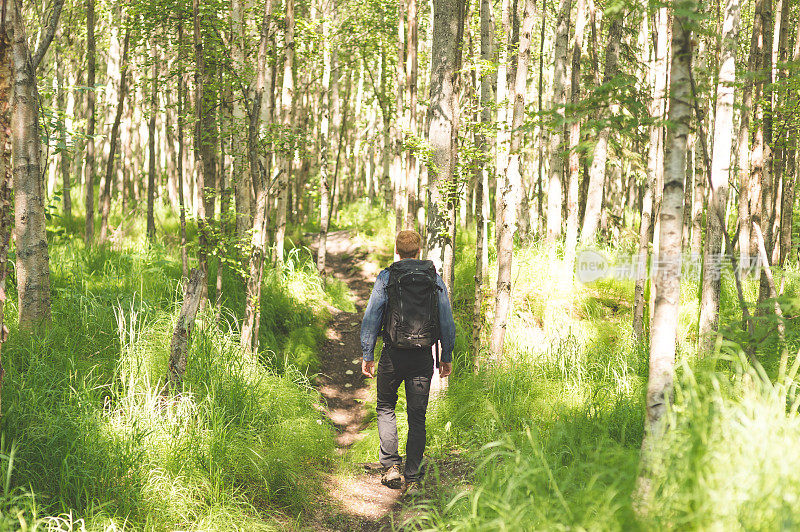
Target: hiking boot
[[412, 489], [392, 478]]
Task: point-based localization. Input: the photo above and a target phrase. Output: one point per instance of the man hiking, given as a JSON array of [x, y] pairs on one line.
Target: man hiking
[[410, 308]]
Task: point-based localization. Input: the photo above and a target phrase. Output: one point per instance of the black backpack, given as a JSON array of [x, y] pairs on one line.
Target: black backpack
[[411, 317]]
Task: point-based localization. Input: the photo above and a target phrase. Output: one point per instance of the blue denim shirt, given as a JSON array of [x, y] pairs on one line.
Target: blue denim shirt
[[373, 316]]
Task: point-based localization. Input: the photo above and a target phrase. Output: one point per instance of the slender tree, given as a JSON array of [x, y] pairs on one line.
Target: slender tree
[[105, 198], [761, 151], [559, 100], [668, 273], [412, 66], [65, 161], [720, 174], [91, 95], [513, 185], [181, 177], [324, 142], [574, 140], [481, 177], [151, 142], [597, 170], [655, 166], [287, 99], [241, 175], [249, 334]]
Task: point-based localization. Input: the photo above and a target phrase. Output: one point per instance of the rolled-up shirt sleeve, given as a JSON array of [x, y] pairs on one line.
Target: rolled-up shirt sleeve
[[447, 325], [373, 316]]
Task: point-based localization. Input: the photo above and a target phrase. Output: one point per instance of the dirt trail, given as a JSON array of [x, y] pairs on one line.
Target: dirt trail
[[363, 503]]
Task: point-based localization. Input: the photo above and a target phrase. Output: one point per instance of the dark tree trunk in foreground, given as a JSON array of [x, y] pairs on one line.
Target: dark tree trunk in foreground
[[33, 262]]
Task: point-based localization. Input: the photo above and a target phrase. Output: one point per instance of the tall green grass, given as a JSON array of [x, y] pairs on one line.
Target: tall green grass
[[553, 435], [96, 446]]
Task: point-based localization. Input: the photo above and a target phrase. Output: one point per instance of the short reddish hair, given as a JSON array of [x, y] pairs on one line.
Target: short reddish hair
[[407, 244]]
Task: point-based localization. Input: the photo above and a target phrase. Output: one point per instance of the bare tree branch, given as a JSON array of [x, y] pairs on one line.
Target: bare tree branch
[[49, 32]]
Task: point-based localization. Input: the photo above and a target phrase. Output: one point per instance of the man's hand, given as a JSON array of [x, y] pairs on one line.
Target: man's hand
[[368, 368], [445, 368]]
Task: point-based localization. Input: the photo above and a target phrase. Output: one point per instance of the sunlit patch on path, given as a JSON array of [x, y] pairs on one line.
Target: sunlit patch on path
[[362, 501]]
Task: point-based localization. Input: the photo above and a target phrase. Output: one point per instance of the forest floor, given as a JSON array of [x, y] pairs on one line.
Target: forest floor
[[360, 502]]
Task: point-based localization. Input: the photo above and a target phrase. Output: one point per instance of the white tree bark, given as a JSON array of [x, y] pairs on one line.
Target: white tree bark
[[513, 186], [33, 262], [668, 265], [554, 193], [597, 170], [720, 174]]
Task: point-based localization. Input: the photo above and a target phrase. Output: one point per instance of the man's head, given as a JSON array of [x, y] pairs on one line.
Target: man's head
[[408, 244]]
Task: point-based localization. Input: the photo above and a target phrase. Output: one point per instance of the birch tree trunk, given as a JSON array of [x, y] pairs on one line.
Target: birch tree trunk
[[503, 114], [91, 95], [513, 186], [571, 240], [151, 142], [481, 177], [597, 171], [241, 176], [398, 164], [554, 200], [105, 201], [412, 179], [33, 262], [720, 174], [65, 161], [181, 108], [761, 153], [792, 160], [668, 271], [440, 127], [249, 333], [181, 336], [748, 198], [324, 143], [287, 97], [654, 168], [201, 149]]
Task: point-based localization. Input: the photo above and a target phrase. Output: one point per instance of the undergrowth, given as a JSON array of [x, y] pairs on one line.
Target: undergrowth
[[88, 442], [553, 433]]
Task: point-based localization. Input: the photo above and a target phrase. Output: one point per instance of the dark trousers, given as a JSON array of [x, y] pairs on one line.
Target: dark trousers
[[414, 367]]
